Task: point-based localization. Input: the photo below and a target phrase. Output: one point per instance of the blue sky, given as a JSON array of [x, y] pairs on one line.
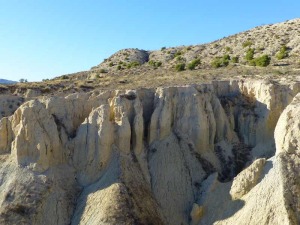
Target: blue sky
[[42, 39]]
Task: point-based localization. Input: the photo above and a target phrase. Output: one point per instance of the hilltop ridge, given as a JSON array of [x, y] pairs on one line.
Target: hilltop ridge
[[266, 39]]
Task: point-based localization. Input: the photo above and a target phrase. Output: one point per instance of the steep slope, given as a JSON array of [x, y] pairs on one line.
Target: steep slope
[[146, 156]]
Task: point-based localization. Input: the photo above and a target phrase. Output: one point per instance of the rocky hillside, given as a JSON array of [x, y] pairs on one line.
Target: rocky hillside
[[281, 42]]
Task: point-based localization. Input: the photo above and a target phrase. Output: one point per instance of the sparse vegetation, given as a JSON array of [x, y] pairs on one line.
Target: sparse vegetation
[[250, 54], [64, 77], [155, 64], [178, 53], [179, 58], [180, 67], [163, 48], [193, 64], [102, 71], [263, 61], [235, 59], [283, 53], [132, 64], [247, 44], [227, 49], [220, 61]]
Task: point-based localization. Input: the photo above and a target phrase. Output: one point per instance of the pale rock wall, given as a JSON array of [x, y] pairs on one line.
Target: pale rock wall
[[266, 192], [144, 154], [288, 130], [287, 150]]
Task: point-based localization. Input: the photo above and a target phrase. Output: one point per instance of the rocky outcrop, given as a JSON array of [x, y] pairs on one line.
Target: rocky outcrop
[[288, 130], [267, 192], [247, 179], [148, 156]]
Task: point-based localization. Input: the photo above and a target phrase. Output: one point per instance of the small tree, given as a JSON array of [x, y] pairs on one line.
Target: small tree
[[22, 80], [249, 54]]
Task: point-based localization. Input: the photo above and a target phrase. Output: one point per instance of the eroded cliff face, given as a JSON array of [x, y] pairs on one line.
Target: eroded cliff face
[[148, 156]]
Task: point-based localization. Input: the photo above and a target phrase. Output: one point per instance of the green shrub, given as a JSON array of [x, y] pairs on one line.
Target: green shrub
[[180, 67], [247, 43], [193, 64], [103, 71], [178, 53], [282, 53], [155, 64], [179, 58], [64, 77], [227, 49], [151, 62], [263, 61], [226, 57], [158, 64], [216, 63], [235, 59], [220, 61], [225, 63], [163, 48], [252, 62], [119, 67], [111, 64], [133, 64], [249, 54]]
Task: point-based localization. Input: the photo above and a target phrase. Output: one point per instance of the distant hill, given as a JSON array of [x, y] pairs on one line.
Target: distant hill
[[3, 81]]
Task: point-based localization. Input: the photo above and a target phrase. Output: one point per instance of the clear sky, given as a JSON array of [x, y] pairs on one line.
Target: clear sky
[[42, 39]]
